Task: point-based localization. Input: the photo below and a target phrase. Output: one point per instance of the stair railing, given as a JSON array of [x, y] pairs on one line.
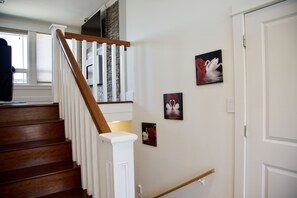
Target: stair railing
[[106, 159], [197, 178], [90, 64]]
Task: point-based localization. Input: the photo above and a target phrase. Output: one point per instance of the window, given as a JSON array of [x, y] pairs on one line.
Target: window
[[43, 58], [19, 55], [31, 56]]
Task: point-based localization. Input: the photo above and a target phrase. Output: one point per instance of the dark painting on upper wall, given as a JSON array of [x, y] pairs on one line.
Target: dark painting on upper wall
[[209, 68]]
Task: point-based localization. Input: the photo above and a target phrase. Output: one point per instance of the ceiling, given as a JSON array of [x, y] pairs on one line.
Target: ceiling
[[64, 12]]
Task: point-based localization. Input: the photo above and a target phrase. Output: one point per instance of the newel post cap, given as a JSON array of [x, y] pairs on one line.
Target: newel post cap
[[118, 137]]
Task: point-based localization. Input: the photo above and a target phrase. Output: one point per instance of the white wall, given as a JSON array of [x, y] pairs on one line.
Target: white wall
[[166, 35]]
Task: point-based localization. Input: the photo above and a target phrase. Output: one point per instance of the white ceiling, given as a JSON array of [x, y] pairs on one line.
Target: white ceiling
[[65, 12]]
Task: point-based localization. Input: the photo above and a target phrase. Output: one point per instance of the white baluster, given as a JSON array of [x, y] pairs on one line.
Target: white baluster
[[82, 121], [95, 161], [88, 152], [114, 72], [74, 48], [73, 112], [61, 94], [77, 124], [123, 73], [84, 58], [104, 71], [95, 69], [68, 104]]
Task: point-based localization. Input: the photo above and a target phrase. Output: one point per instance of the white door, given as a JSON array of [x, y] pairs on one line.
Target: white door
[[271, 65]]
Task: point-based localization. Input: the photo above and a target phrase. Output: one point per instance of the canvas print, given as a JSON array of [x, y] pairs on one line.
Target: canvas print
[[173, 106], [149, 134], [209, 68]]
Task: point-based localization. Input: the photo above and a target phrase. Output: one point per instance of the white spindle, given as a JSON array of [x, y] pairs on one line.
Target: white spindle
[[114, 72], [122, 73], [84, 57], [83, 143], [88, 152], [77, 125], [73, 121], [61, 110], [95, 69], [74, 48], [104, 71], [95, 161], [68, 104]]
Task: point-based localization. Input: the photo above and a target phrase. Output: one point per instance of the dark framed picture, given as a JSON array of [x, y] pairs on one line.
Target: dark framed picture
[[149, 133], [209, 68], [173, 106], [89, 72]]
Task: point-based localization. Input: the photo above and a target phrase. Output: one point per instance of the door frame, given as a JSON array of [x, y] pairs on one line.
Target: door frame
[[239, 9]]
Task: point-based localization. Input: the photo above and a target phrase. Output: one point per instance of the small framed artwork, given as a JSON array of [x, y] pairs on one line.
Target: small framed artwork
[[173, 106], [149, 133], [209, 68]]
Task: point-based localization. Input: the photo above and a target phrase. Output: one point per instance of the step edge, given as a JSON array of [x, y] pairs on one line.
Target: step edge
[[31, 122], [65, 141], [74, 168]]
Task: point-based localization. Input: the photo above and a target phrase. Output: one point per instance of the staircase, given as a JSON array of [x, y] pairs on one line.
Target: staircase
[[35, 156]]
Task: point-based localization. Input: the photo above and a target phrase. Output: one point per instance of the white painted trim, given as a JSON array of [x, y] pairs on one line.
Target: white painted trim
[[239, 9], [33, 87], [32, 93], [244, 6], [117, 112], [239, 76]]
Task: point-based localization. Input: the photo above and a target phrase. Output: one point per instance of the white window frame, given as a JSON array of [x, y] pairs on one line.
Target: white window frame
[[31, 58]]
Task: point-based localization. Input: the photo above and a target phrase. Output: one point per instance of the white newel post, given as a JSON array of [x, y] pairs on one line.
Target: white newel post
[[55, 60], [116, 160]]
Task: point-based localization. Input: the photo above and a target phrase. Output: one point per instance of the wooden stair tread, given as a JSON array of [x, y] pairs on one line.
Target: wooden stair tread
[[13, 104], [74, 193], [33, 144], [35, 171], [28, 122]]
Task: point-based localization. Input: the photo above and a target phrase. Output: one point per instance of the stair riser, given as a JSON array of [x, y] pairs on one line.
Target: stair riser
[[26, 113], [27, 133], [35, 156], [43, 185]]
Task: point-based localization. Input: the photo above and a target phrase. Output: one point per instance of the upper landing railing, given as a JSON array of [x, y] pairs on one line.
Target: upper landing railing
[[108, 74]]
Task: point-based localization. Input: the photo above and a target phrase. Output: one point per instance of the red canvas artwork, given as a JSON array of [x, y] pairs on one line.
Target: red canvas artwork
[[149, 134], [209, 68]]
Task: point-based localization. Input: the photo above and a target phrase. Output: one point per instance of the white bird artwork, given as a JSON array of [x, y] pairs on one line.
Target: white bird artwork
[[145, 135], [211, 69], [172, 107]]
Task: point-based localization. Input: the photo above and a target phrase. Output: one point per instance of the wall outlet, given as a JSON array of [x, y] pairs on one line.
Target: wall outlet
[[139, 190]]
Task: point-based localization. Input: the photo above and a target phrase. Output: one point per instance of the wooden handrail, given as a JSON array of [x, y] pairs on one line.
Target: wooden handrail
[[80, 37], [95, 112], [186, 183]]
